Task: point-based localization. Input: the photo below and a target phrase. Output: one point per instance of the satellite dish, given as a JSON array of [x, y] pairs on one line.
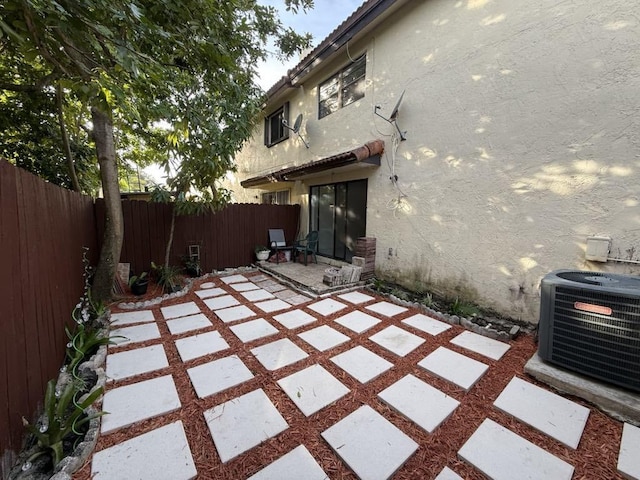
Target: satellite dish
[[394, 112], [296, 128], [297, 123], [393, 117]]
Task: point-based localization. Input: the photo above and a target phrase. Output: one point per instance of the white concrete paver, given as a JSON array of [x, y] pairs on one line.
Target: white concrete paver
[[244, 287], [135, 334], [629, 456], [127, 318], [160, 453], [356, 297], [386, 308], [186, 324], [249, 331], [454, 367], [234, 314], [207, 285], [234, 279], [273, 305], [419, 402], [199, 345], [371, 445], [323, 337], [502, 455], [362, 364], [214, 377], [397, 340], [221, 302], [298, 464], [278, 354], [135, 362], [180, 310], [357, 321], [480, 344], [546, 411], [242, 423], [257, 295], [294, 319], [139, 401], [427, 324], [326, 307], [211, 292], [448, 474], [312, 389]]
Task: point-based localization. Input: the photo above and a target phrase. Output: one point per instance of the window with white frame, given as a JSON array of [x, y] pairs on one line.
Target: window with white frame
[[280, 197], [274, 130], [343, 88]]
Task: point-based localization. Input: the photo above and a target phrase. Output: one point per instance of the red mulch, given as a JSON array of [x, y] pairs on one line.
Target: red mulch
[[595, 457]]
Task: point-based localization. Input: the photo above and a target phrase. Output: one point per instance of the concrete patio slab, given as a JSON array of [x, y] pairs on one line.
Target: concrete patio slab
[[629, 456], [371, 445], [362, 364], [214, 377], [397, 340], [284, 294], [187, 324], [275, 287], [294, 319], [207, 285], [357, 321], [356, 297], [160, 453], [486, 346], [135, 334], [221, 302], [234, 279], [278, 354], [242, 423], [448, 474], [324, 337], [234, 314], [139, 401], [249, 331], [502, 455], [296, 465], [386, 308], [312, 389], [257, 295], [180, 310], [127, 318], [211, 292], [454, 367], [272, 305], [200, 345], [298, 299], [426, 324], [560, 418], [419, 402], [244, 287], [326, 307], [135, 362]]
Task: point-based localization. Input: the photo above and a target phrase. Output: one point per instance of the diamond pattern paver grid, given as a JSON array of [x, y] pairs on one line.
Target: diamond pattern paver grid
[[312, 389], [419, 402], [357, 321], [278, 354], [272, 305], [221, 302], [135, 362], [387, 309], [160, 453], [127, 318], [199, 345], [249, 331], [326, 307], [480, 344], [214, 377], [234, 314], [294, 319], [137, 333], [629, 457], [397, 340], [180, 310], [371, 445], [502, 455], [242, 423], [426, 324], [560, 418], [362, 364], [296, 465], [454, 367], [139, 401], [356, 298], [323, 337], [186, 324]]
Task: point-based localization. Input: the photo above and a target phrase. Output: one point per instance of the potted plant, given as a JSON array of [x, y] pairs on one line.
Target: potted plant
[[192, 266], [139, 283], [262, 252], [167, 277]]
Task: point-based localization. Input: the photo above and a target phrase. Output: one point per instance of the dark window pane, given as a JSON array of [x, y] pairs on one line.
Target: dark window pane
[[328, 106], [354, 72], [329, 88], [353, 92]]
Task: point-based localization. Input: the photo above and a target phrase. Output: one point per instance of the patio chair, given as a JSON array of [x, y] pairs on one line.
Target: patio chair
[[277, 242], [308, 245]]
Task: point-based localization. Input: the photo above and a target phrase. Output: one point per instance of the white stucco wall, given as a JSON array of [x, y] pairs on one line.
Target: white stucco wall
[[523, 138]]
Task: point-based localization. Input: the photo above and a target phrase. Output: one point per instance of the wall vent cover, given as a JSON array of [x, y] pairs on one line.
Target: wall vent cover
[[590, 323]]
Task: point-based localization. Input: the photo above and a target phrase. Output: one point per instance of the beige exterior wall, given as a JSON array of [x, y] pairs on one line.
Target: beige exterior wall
[[523, 138]]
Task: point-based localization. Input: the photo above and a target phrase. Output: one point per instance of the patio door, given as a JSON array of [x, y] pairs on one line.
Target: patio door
[[339, 213]]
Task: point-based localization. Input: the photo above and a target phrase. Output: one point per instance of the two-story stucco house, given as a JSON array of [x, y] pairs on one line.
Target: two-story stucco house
[[517, 137]]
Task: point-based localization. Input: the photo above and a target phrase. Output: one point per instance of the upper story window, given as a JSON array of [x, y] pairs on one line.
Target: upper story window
[[274, 130], [280, 197], [343, 88]]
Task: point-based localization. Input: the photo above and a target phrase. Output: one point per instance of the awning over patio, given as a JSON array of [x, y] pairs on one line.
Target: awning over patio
[[366, 155]]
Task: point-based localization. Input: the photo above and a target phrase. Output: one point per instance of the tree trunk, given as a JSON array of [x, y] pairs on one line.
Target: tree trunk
[[65, 140], [170, 241], [114, 223]]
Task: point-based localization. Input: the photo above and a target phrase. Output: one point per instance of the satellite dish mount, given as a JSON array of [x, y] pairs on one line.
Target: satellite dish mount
[[296, 128], [393, 118]]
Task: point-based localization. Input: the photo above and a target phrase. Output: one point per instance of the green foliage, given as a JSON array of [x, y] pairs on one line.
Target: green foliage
[[427, 299], [400, 294], [463, 309], [261, 248], [137, 279], [166, 276]]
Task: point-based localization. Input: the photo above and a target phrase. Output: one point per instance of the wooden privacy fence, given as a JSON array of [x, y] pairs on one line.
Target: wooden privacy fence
[[42, 231], [226, 238]]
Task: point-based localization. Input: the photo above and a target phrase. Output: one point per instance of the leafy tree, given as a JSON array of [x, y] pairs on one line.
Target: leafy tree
[[178, 76]]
